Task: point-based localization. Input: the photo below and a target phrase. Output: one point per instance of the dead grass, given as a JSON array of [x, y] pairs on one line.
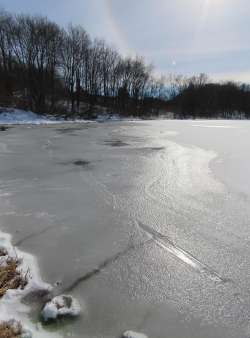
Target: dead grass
[[10, 330], [11, 277]]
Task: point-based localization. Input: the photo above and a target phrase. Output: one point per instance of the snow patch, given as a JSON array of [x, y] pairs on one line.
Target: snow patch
[[61, 306], [14, 116], [10, 116], [26, 334], [214, 126], [17, 116], [132, 334]]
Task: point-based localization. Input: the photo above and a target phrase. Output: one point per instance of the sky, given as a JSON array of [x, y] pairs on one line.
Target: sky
[[177, 36]]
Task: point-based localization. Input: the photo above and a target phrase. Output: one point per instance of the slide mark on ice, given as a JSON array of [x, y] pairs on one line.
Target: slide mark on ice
[[165, 243]]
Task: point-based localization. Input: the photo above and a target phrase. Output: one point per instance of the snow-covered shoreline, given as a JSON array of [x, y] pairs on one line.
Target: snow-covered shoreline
[[13, 116], [11, 306], [9, 116]]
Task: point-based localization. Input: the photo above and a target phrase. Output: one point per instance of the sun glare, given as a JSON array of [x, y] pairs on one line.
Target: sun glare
[[213, 2]]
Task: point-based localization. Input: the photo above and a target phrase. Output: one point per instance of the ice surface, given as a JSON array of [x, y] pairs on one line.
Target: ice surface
[[83, 221]]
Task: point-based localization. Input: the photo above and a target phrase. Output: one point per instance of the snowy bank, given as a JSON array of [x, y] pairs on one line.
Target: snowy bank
[[17, 116], [10, 116], [11, 306]]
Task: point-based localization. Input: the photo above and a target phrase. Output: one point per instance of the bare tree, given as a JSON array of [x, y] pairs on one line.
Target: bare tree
[[74, 62], [35, 42]]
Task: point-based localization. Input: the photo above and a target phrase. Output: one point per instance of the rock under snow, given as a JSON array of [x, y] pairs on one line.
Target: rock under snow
[[61, 306], [132, 334]]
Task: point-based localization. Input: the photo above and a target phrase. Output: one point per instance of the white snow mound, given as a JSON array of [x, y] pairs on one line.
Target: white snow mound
[[17, 116], [61, 306], [132, 334]]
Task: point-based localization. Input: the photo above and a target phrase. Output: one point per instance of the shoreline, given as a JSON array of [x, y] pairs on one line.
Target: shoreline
[[11, 305]]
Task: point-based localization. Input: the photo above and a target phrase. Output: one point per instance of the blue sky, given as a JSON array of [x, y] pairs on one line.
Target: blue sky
[[177, 36]]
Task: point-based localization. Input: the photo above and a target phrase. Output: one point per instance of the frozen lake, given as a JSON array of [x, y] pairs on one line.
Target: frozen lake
[[146, 223]]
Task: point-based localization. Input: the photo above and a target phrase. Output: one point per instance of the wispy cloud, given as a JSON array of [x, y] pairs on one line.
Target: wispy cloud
[[187, 36]]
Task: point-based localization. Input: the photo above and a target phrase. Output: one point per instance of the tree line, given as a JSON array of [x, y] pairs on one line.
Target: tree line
[[201, 98], [49, 69], [43, 64]]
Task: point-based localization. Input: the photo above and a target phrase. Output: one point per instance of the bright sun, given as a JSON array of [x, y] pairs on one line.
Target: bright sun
[[212, 3]]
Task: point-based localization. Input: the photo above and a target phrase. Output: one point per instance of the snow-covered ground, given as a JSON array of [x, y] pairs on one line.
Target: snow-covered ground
[[17, 116]]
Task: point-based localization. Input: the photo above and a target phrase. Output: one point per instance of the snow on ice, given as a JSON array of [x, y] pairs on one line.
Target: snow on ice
[[132, 334]]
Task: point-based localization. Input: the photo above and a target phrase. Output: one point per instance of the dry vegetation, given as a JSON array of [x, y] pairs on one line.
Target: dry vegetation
[[10, 330], [10, 277]]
